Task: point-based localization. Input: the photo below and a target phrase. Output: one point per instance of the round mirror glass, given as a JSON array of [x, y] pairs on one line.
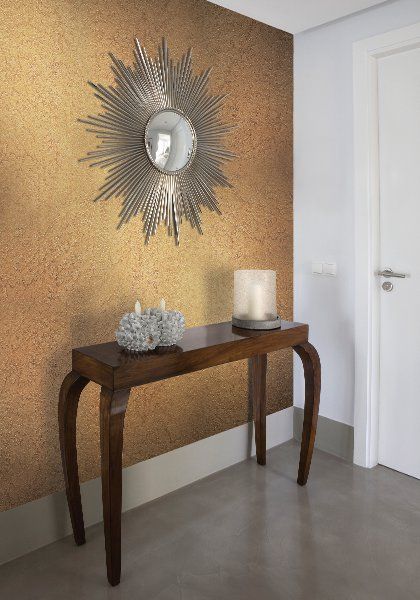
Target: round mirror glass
[[170, 140]]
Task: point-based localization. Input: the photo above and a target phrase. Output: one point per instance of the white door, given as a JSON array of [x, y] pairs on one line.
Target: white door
[[399, 164]]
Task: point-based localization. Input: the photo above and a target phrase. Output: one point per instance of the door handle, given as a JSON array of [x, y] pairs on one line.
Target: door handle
[[390, 273]]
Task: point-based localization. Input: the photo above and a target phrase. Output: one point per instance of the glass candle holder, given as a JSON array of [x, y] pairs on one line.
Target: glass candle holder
[[255, 297]]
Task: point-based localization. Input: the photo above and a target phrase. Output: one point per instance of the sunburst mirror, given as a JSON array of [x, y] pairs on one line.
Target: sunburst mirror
[[161, 140]]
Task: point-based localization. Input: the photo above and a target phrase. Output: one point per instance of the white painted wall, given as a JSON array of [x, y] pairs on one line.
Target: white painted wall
[[323, 196]]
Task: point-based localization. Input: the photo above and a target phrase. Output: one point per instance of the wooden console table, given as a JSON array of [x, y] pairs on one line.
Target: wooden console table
[[116, 373]]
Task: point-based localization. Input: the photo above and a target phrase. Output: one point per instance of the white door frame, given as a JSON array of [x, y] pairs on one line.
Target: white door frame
[[366, 187]]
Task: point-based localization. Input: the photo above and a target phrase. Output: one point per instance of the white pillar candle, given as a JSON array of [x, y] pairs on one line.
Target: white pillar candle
[[162, 305], [137, 308], [256, 306]]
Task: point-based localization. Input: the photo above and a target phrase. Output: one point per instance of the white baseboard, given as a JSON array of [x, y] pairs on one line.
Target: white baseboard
[[331, 436], [46, 520]]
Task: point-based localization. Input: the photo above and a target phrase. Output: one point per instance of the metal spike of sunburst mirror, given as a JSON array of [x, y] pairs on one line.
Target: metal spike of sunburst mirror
[[161, 140]]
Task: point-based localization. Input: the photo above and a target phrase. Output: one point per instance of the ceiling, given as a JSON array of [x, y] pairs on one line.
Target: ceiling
[[296, 15]]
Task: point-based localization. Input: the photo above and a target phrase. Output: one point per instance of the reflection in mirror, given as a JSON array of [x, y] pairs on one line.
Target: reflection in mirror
[[170, 140]]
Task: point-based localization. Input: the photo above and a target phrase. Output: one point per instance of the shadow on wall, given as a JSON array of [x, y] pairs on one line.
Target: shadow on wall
[[85, 326], [218, 294]]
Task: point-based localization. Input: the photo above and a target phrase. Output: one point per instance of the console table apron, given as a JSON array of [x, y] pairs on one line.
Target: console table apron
[[117, 372]]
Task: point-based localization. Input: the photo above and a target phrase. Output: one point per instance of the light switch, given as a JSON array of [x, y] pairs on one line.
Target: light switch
[[330, 269], [317, 268]]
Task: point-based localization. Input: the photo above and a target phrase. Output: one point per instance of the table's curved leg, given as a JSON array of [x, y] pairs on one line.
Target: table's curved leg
[[70, 391], [312, 370], [113, 407]]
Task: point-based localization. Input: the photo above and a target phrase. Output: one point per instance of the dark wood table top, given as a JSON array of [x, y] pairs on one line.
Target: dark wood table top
[[201, 347]]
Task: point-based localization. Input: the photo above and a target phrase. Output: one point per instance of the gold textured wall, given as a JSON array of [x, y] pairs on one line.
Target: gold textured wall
[[67, 274]]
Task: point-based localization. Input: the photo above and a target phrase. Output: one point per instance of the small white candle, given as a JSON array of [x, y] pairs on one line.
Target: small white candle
[[162, 305], [256, 310], [137, 308]]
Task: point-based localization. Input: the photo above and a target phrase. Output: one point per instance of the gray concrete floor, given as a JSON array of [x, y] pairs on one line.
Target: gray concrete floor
[[249, 532]]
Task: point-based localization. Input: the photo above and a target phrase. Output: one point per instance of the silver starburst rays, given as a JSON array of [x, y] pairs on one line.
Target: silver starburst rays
[[161, 140]]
